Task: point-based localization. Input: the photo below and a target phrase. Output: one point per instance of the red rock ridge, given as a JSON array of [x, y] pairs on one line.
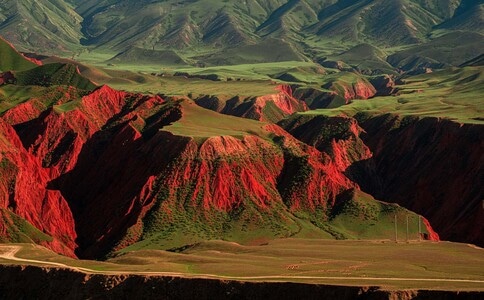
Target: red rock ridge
[[310, 178]]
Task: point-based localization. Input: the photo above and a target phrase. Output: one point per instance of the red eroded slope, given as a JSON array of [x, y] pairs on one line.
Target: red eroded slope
[[222, 174], [341, 92], [361, 89], [310, 178], [44, 143]]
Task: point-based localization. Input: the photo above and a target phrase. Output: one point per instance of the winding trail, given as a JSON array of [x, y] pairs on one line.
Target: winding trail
[[8, 253]]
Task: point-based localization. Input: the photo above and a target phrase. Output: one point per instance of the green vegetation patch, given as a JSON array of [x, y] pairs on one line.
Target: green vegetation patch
[[54, 74], [362, 217], [19, 230], [12, 60], [201, 122], [454, 93]]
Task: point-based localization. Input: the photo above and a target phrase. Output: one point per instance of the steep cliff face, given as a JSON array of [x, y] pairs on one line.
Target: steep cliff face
[[428, 165], [39, 143], [272, 108], [431, 166], [23, 191]]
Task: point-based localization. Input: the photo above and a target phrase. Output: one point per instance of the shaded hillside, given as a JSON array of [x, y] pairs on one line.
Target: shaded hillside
[[363, 58], [469, 15], [430, 178], [336, 90], [145, 56]]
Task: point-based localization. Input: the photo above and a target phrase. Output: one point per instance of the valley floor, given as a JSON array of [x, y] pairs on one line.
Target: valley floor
[[440, 266]]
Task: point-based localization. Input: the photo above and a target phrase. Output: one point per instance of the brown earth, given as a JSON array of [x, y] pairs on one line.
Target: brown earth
[[58, 283]]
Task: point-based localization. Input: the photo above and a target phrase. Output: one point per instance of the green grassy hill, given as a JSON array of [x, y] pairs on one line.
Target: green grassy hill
[[365, 58], [54, 74], [454, 93], [11, 59], [468, 16]]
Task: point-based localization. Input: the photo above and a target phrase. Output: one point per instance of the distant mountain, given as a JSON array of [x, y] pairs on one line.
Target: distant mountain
[[40, 25], [230, 31], [454, 49]]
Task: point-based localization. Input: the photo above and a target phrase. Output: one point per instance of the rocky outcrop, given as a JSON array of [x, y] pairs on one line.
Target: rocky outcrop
[[55, 283], [361, 89], [338, 136], [384, 85], [23, 190], [339, 90], [272, 108], [38, 144]]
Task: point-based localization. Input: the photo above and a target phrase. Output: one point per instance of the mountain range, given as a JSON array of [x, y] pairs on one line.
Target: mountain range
[[211, 32]]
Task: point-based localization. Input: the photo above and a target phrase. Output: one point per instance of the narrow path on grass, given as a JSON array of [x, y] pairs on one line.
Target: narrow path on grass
[[8, 252]]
